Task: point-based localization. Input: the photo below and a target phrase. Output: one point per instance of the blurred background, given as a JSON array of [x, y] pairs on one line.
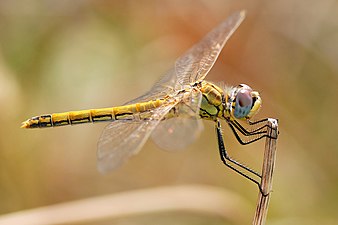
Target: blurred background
[[69, 55]]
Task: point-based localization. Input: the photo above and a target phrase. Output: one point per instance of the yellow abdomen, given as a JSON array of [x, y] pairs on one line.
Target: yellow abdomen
[[136, 111]]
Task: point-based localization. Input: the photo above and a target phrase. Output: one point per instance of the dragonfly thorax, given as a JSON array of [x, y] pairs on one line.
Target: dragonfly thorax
[[212, 103]]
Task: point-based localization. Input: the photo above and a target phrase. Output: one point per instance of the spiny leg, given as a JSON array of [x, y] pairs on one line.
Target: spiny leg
[[265, 120], [225, 158], [255, 135], [259, 135], [225, 153], [249, 132], [257, 121]]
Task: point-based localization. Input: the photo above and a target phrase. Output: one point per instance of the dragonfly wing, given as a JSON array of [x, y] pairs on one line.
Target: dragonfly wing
[[178, 132], [122, 139], [195, 64], [161, 88]]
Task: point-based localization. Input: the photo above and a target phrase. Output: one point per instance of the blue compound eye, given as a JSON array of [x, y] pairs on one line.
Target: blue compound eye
[[244, 98], [243, 103]]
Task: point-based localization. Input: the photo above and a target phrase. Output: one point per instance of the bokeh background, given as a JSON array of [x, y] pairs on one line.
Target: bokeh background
[[69, 55]]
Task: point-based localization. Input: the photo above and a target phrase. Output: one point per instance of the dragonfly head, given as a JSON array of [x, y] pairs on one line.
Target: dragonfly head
[[244, 102]]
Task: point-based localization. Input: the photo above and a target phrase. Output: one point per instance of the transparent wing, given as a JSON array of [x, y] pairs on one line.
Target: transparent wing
[[178, 132], [161, 88], [122, 139], [195, 64]]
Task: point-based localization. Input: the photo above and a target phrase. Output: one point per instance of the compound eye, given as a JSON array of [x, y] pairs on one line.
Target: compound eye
[[243, 103], [244, 98]]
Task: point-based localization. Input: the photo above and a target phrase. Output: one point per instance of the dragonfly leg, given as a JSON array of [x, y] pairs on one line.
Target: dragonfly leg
[[257, 121], [226, 159], [253, 135], [246, 132]]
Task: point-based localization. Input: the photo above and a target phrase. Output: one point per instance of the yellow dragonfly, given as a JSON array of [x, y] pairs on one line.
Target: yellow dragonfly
[[172, 110]]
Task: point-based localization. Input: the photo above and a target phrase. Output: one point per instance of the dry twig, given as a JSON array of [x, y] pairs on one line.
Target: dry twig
[[267, 172]]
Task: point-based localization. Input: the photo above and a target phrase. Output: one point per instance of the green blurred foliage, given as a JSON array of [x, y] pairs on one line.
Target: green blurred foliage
[[68, 55]]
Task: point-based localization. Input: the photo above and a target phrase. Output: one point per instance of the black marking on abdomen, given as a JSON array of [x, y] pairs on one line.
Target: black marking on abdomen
[[124, 114], [101, 118], [61, 123], [45, 121], [80, 120]]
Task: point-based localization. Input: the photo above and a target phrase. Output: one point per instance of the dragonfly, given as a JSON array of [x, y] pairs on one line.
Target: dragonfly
[[171, 112]]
